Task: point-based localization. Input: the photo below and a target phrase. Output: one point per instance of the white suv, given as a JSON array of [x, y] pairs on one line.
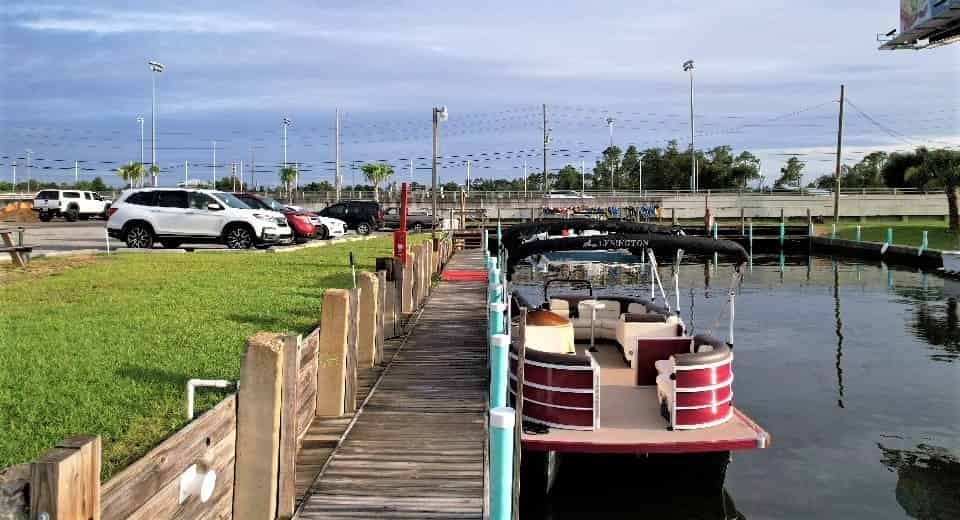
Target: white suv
[[69, 204], [173, 216]]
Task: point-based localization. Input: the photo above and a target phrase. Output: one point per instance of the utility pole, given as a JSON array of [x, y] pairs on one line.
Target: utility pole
[[610, 124], [76, 172], [546, 141], [240, 169], [186, 173], [836, 191], [411, 173], [214, 165], [688, 67], [439, 114], [337, 180], [583, 180], [29, 167], [253, 169], [468, 176], [14, 175], [524, 178]]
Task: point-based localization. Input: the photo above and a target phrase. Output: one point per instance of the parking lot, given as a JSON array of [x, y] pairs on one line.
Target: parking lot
[[59, 237]]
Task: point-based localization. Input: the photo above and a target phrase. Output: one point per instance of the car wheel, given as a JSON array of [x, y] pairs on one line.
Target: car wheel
[[45, 217], [239, 237], [323, 233], [139, 236], [170, 244], [71, 215], [364, 228]]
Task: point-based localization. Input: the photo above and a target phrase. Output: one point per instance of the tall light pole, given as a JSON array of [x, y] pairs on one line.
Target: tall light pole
[[155, 69], [688, 67], [439, 114], [524, 178], [640, 173], [546, 142], [14, 175], [468, 176], [286, 123], [140, 121], [583, 180]]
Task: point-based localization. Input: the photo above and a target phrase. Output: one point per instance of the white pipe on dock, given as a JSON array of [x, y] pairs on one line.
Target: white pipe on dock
[[193, 384]]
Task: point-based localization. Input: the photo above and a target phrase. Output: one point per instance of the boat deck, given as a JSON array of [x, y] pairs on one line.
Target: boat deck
[[630, 421]]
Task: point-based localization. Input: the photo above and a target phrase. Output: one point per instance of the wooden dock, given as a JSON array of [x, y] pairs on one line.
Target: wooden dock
[[415, 449]]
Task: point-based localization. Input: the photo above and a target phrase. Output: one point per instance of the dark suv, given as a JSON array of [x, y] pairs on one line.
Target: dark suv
[[364, 216]]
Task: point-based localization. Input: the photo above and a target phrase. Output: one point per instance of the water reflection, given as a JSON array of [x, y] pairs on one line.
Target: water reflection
[[630, 487], [938, 325], [839, 328], [928, 481]]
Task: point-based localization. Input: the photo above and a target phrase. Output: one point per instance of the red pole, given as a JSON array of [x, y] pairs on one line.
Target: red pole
[[400, 235]]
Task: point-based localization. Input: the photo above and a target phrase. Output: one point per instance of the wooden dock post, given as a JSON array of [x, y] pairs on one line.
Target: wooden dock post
[[409, 280], [368, 323], [353, 339], [65, 482], [332, 352], [383, 304], [258, 428]]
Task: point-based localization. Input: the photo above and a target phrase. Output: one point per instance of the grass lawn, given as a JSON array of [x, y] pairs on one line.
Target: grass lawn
[[904, 233], [106, 347]]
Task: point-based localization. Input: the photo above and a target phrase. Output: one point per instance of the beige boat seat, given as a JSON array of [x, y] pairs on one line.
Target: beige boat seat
[[560, 307], [632, 327], [547, 331], [607, 319]]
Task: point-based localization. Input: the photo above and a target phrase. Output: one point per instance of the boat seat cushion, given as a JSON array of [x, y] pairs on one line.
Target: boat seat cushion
[[558, 339], [560, 307], [610, 310]]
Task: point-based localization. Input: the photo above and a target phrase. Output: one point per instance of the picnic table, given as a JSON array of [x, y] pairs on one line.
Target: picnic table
[[19, 253]]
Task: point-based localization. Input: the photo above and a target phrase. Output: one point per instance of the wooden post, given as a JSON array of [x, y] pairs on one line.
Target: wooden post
[[65, 482], [408, 294], [332, 352], [286, 493], [367, 332], [353, 337], [382, 314], [258, 428]]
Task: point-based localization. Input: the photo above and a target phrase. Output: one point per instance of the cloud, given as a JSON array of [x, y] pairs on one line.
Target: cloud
[[103, 22]]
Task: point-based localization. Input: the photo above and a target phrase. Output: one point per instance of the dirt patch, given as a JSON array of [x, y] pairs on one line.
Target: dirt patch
[[42, 267]]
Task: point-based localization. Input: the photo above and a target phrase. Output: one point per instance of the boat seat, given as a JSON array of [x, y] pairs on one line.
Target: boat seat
[[695, 389], [634, 327], [560, 307], [547, 331], [606, 322]]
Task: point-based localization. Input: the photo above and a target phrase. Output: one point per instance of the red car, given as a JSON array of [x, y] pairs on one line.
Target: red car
[[300, 223]]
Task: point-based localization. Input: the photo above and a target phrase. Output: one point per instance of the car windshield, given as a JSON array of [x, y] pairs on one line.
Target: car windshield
[[231, 201], [272, 204]]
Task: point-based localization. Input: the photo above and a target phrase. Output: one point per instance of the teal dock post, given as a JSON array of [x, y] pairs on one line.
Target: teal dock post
[[890, 236], [499, 362], [923, 244], [502, 423], [716, 232], [751, 237], [833, 234], [486, 244], [858, 232], [782, 234]]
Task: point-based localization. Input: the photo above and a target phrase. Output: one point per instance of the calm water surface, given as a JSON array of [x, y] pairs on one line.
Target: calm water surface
[[853, 369]]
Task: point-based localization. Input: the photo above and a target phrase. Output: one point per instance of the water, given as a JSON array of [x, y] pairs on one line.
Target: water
[[854, 370]]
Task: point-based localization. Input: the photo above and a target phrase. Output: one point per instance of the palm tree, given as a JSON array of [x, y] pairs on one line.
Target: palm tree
[[154, 172], [287, 175], [131, 173], [940, 167], [377, 173]]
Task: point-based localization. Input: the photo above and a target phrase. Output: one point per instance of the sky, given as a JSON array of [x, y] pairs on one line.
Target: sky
[[767, 79]]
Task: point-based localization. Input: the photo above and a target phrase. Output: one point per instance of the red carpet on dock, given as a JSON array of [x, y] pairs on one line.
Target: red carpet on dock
[[464, 276]]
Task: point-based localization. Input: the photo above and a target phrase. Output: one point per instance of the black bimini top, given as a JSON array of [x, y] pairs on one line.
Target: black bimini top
[[661, 243]]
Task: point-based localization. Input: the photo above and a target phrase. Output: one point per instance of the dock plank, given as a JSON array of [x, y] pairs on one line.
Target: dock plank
[[416, 449]]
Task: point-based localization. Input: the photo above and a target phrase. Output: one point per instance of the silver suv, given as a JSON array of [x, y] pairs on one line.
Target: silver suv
[[173, 216]]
